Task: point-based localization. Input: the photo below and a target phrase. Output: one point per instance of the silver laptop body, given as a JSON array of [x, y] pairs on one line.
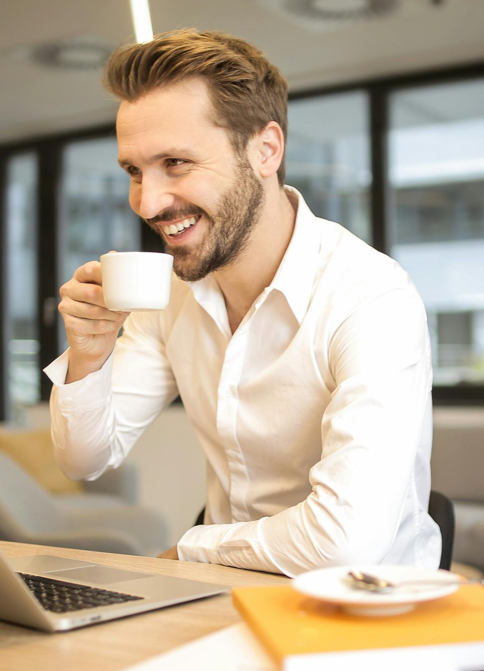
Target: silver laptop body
[[19, 605]]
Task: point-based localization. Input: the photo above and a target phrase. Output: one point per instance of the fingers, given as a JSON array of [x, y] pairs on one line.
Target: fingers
[[86, 285], [84, 310], [89, 272], [89, 327], [82, 306], [84, 293]]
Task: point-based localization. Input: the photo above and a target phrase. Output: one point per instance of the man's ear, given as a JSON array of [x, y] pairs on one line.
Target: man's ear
[[269, 149]]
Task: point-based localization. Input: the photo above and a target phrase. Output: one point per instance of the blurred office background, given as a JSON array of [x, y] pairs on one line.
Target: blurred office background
[[386, 136]]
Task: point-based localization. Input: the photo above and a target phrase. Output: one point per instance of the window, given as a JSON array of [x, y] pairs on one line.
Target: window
[[21, 318], [95, 216], [436, 151], [399, 162], [328, 158]]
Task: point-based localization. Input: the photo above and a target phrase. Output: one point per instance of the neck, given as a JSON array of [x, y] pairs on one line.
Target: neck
[[243, 281]]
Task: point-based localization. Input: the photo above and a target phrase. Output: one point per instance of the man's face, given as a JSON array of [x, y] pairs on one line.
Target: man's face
[[187, 182]]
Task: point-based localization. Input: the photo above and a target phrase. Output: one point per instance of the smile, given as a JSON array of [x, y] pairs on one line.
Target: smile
[[174, 230]]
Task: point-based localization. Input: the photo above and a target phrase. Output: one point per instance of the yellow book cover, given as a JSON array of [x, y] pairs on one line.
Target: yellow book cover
[[288, 623]]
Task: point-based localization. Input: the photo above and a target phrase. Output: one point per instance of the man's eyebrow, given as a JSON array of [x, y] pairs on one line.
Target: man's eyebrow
[[174, 153]]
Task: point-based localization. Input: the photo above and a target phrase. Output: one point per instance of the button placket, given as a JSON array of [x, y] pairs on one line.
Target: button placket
[[227, 408], [227, 421]]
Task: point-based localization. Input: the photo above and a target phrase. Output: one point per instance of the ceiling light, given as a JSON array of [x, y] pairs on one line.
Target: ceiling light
[[140, 10], [82, 52], [342, 9], [321, 16]]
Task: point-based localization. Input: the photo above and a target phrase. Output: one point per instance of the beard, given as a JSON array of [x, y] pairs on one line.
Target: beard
[[229, 227]]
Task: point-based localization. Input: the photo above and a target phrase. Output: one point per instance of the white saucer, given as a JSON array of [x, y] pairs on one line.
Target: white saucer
[[332, 586]]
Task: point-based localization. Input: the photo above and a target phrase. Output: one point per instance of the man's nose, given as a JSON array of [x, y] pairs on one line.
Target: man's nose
[[154, 197]]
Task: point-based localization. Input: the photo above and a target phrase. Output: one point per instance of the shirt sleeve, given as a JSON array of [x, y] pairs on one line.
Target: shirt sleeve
[[380, 361], [96, 421]]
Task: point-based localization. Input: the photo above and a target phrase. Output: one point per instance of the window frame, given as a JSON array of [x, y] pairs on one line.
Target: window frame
[[3, 288], [379, 91], [49, 151]]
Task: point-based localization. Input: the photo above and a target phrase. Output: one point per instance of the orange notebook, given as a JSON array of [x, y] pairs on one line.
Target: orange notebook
[[290, 624]]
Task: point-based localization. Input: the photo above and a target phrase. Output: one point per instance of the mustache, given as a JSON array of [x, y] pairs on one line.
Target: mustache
[[172, 214]]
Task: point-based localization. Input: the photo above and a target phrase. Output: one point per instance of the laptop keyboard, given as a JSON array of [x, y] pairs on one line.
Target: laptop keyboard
[[63, 597]]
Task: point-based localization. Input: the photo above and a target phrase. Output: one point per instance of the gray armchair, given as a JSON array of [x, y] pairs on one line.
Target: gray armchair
[[90, 521], [457, 470]]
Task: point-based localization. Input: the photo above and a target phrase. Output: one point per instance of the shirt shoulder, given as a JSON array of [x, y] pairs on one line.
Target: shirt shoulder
[[352, 274], [351, 262]]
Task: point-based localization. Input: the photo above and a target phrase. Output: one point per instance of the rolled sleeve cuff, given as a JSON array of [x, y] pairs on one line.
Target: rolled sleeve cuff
[[57, 370], [85, 394], [236, 545], [200, 544]]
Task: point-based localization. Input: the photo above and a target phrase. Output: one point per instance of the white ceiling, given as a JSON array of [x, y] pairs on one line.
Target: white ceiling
[[36, 100]]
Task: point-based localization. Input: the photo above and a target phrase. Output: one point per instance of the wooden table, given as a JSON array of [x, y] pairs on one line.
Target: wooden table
[[115, 645]]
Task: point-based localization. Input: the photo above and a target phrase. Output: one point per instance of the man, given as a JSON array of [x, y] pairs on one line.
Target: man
[[301, 354]]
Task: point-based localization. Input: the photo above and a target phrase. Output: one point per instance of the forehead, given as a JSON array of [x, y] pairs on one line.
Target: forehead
[[179, 113]]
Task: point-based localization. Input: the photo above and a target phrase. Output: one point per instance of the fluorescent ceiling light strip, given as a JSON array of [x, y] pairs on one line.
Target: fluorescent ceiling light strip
[[143, 29]]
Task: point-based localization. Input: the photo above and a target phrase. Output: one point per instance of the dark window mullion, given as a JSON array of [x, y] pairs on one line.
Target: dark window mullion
[[3, 287], [379, 166], [48, 217], [460, 395]]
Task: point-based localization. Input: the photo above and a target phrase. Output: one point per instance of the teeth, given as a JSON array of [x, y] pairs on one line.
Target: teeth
[[188, 222], [175, 229]]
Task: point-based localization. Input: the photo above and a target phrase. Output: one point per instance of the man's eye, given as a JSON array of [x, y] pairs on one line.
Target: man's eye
[[175, 162], [131, 170]]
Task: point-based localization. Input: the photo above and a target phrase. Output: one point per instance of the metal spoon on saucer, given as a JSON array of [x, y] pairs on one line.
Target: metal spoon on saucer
[[372, 583]]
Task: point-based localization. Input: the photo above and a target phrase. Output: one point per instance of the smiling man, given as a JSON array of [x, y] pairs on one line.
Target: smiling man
[[301, 354], [215, 204]]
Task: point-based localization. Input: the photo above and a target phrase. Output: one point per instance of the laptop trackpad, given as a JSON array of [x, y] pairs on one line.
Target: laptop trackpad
[[99, 575]]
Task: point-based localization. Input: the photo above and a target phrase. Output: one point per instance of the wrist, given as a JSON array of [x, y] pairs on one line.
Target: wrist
[[82, 366]]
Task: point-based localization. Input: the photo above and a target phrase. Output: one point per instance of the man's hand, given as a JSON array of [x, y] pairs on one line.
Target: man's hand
[[172, 553], [91, 328]]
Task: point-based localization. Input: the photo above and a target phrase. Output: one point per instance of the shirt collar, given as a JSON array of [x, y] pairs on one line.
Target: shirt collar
[[208, 294], [295, 276]]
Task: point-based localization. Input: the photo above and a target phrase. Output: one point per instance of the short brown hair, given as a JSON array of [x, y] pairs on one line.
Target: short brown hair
[[247, 91]]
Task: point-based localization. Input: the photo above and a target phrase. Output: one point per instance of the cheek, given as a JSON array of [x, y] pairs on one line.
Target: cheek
[[134, 197], [204, 190]]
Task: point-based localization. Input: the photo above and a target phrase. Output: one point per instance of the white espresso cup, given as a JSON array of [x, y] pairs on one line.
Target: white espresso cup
[[136, 281]]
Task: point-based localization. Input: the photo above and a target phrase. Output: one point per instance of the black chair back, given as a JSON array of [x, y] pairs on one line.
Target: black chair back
[[441, 510], [200, 517]]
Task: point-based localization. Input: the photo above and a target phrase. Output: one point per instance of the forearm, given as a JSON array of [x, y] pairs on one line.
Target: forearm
[[83, 423], [97, 420], [359, 499], [317, 533]]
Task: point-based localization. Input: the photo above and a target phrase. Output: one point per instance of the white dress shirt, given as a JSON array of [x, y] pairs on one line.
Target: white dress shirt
[[315, 415]]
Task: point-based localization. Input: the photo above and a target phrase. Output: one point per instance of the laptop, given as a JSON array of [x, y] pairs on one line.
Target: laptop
[[58, 594]]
